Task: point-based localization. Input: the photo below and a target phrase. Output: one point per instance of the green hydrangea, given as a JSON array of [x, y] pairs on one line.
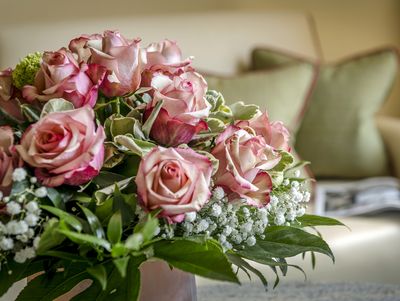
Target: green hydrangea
[[25, 72]]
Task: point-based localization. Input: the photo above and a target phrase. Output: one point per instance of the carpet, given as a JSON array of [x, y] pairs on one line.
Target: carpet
[[301, 291]]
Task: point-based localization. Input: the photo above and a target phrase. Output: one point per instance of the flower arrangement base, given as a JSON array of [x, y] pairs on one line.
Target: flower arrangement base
[[160, 283]]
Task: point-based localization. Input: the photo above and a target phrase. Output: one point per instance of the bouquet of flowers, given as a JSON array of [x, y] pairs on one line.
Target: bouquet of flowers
[[112, 154]]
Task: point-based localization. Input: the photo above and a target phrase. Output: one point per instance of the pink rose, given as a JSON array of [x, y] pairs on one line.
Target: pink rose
[[8, 159], [61, 76], [274, 133], [165, 56], [64, 147], [124, 61], [174, 179], [8, 103], [184, 107], [81, 46], [243, 161]]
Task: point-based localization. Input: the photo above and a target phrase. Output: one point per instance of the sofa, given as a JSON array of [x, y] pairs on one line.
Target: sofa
[[222, 49]]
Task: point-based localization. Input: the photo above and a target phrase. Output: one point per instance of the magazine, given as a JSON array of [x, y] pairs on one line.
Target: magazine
[[362, 197]]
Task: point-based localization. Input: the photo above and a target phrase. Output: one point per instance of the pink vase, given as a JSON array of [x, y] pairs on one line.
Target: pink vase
[[160, 283]]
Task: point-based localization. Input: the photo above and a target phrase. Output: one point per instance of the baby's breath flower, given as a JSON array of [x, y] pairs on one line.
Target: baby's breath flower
[[6, 244], [19, 174], [41, 192], [13, 208], [32, 207], [190, 216]]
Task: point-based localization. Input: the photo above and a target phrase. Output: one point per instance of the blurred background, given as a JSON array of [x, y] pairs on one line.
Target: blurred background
[[328, 69]]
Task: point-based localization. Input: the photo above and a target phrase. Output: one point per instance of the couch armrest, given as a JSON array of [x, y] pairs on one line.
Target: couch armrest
[[390, 131]]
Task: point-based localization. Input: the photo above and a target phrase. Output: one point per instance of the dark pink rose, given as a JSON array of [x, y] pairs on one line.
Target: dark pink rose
[[183, 110], [176, 180], [8, 101], [64, 147], [61, 76], [81, 46], [124, 61], [244, 159], [9, 159], [274, 133]]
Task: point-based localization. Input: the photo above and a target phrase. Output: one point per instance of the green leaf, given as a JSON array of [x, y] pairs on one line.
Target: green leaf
[[65, 216], [134, 241], [204, 260], [240, 262], [216, 99], [56, 105], [111, 189], [31, 113], [87, 239], [309, 220], [147, 227], [45, 288], [126, 204], [136, 146], [118, 288], [93, 221], [106, 179], [286, 161], [58, 197], [112, 156], [114, 230], [146, 128], [122, 265], [122, 125], [215, 125], [242, 111], [100, 274], [50, 237], [284, 241], [65, 255], [19, 271]]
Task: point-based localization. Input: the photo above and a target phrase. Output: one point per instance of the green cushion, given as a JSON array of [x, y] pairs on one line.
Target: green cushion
[[282, 91], [338, 133]]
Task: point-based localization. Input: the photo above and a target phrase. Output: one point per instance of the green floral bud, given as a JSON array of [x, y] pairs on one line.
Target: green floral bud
[[25, 71]]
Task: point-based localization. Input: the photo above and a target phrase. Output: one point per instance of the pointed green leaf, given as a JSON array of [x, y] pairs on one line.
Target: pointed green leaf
[[309, 220], [204, 260], [50, 237], [93, 221], [31, 113], [240, 262], [87, 239], [121, 264], [65, 216], [146, 128], [114, 230], [100, 274]]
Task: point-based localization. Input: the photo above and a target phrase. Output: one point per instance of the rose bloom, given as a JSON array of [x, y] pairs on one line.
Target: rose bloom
[[184, 107], [124, 61], [8, 103], [8, 159], [61, 76], [274, 133], [64, 147], [174, 179], [244, 159], [81, 46]]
